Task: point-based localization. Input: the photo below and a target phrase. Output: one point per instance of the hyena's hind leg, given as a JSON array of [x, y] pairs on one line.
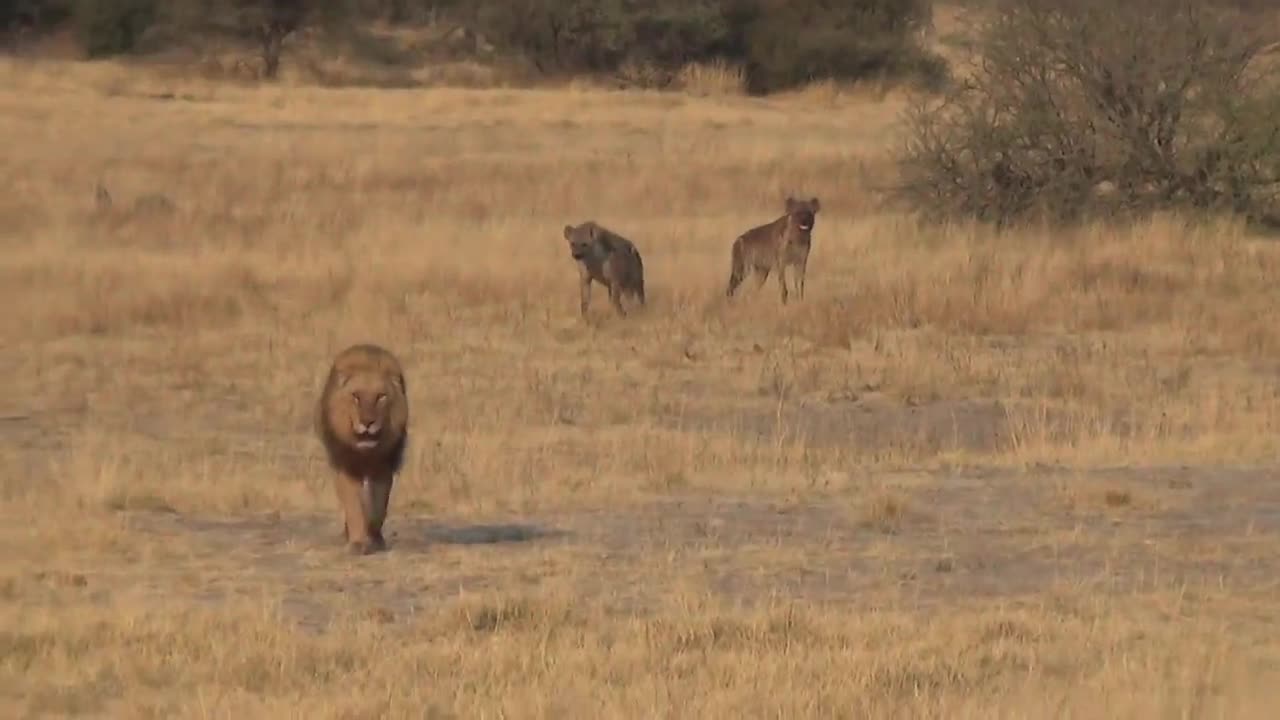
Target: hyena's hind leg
[[762, 276], [737, 268], [638, 290], [615, 297], [782, 281]]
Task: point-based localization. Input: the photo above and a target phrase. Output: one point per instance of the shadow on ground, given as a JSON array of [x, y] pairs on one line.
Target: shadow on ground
[[488, 534], [321, 533]]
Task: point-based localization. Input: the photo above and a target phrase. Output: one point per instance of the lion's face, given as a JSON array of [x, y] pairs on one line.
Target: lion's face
[[365, 410], [369, 417]]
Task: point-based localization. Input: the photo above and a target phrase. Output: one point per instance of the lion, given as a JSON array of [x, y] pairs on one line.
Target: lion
[[608, 258], [363, 423], [783, 243]]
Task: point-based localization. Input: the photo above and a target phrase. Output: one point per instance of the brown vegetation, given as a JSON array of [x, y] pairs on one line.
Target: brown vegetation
[[974, 475]]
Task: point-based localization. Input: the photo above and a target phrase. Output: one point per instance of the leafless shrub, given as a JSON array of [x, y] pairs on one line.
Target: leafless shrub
[[1089, 107]]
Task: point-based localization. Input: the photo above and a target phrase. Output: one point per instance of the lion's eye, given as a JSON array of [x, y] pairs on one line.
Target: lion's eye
[[382, 398], [355, 398]]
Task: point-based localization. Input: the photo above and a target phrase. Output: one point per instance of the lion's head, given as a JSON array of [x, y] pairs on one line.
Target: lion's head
[[364, 408]]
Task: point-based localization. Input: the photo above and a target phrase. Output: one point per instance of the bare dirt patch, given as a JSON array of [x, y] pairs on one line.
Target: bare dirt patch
[[923, 539]]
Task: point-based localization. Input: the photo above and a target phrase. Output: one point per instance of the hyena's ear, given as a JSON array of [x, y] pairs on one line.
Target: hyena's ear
[[813, 203], [791, 203], [568, 232]]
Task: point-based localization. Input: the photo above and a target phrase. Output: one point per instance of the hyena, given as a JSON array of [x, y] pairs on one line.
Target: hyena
[[149, 204], [607, 258], [775, 246]]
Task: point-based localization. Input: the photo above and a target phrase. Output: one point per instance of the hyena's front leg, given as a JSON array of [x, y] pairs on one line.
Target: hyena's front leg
[[584, 292], [782, 280], [801, 269]]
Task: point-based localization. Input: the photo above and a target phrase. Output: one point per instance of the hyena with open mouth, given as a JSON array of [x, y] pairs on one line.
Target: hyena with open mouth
[[783, 243]]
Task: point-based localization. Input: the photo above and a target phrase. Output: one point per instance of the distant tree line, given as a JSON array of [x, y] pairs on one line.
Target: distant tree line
[[1077, 109], [778, 43]]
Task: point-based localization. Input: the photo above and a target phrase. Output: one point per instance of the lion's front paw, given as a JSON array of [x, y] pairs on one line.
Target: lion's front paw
[[361, 547]]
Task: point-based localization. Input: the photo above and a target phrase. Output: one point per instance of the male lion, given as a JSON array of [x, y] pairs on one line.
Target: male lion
[[363, 421], [775, 246], [607, 258]]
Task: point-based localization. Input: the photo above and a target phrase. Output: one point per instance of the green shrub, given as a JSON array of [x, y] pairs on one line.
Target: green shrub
[[791, 42], [38, 15], [111, 27], [560, 35], [673, 34], [780, 42]]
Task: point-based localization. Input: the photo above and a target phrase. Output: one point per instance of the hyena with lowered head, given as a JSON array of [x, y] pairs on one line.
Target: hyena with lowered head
[[607, 258], [778, 245]]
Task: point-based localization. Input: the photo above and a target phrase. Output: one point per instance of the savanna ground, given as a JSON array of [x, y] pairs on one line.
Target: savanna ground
[[969, 475]]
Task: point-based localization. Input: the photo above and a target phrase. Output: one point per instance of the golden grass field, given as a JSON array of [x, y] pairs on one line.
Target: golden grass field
[[970, 475]]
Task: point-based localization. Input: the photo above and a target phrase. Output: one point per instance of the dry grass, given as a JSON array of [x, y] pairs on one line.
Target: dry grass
[[715, 79], [971, 475]]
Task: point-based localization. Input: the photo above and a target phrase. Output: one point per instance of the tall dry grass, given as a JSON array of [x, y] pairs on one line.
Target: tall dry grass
[[713, 79], [166, 365]]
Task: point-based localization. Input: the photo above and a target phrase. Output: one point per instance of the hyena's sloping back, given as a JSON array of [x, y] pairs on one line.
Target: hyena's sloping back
[[627, 266], [755, 250]]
